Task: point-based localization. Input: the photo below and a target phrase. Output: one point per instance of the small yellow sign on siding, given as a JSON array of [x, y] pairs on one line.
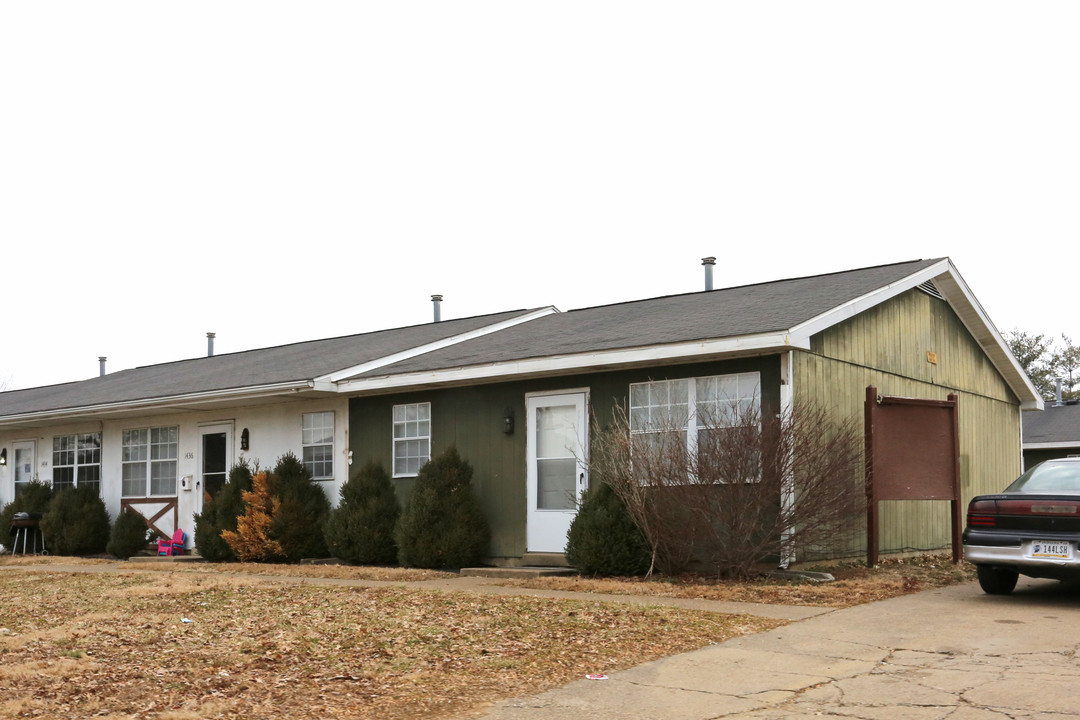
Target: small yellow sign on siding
[[931, 357]]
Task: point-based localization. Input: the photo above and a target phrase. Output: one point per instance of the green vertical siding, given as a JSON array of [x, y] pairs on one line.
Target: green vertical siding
[[472, 419], [886, 347], [1034, 457]]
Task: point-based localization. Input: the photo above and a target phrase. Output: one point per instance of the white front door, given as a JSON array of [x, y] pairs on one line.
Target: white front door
[[557, 437], [24, 464]]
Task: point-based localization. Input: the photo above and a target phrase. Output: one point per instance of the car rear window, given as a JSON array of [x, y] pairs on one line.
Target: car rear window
[[1048, 477]]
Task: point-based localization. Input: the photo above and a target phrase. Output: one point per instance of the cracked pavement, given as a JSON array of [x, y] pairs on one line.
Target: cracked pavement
[[947, 653]]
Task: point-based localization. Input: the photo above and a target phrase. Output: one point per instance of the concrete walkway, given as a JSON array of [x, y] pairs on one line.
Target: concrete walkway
[[952, 653]]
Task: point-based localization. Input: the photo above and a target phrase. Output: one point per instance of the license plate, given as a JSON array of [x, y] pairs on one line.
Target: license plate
[[1051, 549]]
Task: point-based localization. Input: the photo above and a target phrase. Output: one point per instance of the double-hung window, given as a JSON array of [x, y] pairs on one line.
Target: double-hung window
[[149, 458], [693, 407], [318, 443], [412, 438], [76, 460]]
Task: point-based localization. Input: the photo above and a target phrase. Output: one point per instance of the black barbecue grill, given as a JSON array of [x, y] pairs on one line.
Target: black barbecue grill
[[27, 526]]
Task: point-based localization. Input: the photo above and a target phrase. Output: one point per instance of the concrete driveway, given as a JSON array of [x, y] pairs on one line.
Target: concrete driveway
[[952, 653]]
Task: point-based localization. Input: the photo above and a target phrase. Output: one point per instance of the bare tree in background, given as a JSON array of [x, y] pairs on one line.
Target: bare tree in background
[[745, 490]]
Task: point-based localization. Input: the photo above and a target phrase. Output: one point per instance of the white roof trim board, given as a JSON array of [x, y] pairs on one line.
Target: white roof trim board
[[746, 344], [340, 375], [179, 402]]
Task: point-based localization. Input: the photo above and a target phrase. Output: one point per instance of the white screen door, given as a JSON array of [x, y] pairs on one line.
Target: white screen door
[[24, 464], [215, 457], [556, 472]]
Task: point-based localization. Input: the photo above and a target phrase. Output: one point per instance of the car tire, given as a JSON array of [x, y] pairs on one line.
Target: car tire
[[996, 580]]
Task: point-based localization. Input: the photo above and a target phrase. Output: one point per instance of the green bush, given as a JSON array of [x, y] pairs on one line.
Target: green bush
[[128, 535], [33, 497], [220, 514], [300, 511], [603, 540], [442, 524], [76, 522], [361, 528]]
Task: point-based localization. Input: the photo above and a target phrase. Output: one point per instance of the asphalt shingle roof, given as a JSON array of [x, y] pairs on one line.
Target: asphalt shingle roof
[[728, 312], [252, 368], [1053, 425]]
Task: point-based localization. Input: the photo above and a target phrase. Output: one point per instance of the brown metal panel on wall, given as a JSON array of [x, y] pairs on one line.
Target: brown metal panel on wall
[[912, 453]]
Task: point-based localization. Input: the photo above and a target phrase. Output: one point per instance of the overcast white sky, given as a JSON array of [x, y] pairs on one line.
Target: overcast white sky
[[277, 172]]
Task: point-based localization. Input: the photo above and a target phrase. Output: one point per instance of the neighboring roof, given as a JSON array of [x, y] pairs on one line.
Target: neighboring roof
[[765, 317], [273, 370], [1055, 427]]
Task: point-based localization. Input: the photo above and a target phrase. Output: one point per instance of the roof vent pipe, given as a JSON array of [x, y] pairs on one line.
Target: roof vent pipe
[[1057, 395], [708, 263], [436, 300], [101, 365], [210, 344]]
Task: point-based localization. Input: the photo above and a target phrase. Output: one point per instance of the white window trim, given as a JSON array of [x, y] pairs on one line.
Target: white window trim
[[75, 465], [332, 443], [691, 427], [395, 440], [149, 462]]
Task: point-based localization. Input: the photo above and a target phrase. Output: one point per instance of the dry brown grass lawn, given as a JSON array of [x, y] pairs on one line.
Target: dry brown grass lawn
[[855, 584], [343, 572], [116, 645]]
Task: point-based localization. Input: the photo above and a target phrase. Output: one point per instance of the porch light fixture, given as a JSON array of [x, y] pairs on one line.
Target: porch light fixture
[[508, 421], [244, 439], [3, 456]]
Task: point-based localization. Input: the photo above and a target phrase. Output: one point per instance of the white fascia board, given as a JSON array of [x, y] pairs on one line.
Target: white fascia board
[[1052, 445], [957, 293], [216, 396], [567, 363], [860, 304], [355, 370]]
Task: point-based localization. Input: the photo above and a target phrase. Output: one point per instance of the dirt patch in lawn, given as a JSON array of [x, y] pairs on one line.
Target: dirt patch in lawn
[[855, 583], [344, 572], [190, 644]]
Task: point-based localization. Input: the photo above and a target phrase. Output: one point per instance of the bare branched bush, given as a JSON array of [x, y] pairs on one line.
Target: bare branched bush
[[736, 490]]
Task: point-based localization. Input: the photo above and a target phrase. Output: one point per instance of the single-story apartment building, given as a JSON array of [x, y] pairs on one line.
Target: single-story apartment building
[[516, 393]]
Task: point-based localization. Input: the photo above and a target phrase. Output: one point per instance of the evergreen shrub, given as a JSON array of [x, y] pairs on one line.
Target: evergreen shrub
[[251, 542], [603, 539], [299, 512], [128, 535], [34, 497], [220, 513], [442, 524], [76, 522], [361, 528]]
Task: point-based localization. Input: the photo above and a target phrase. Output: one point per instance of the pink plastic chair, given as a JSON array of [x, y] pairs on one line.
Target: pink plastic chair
[[175, 546]]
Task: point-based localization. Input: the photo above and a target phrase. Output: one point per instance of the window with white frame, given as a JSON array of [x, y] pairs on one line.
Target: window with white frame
[[412, 438], [318, 442], [693, 406], [76, 460], [148, 458]]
